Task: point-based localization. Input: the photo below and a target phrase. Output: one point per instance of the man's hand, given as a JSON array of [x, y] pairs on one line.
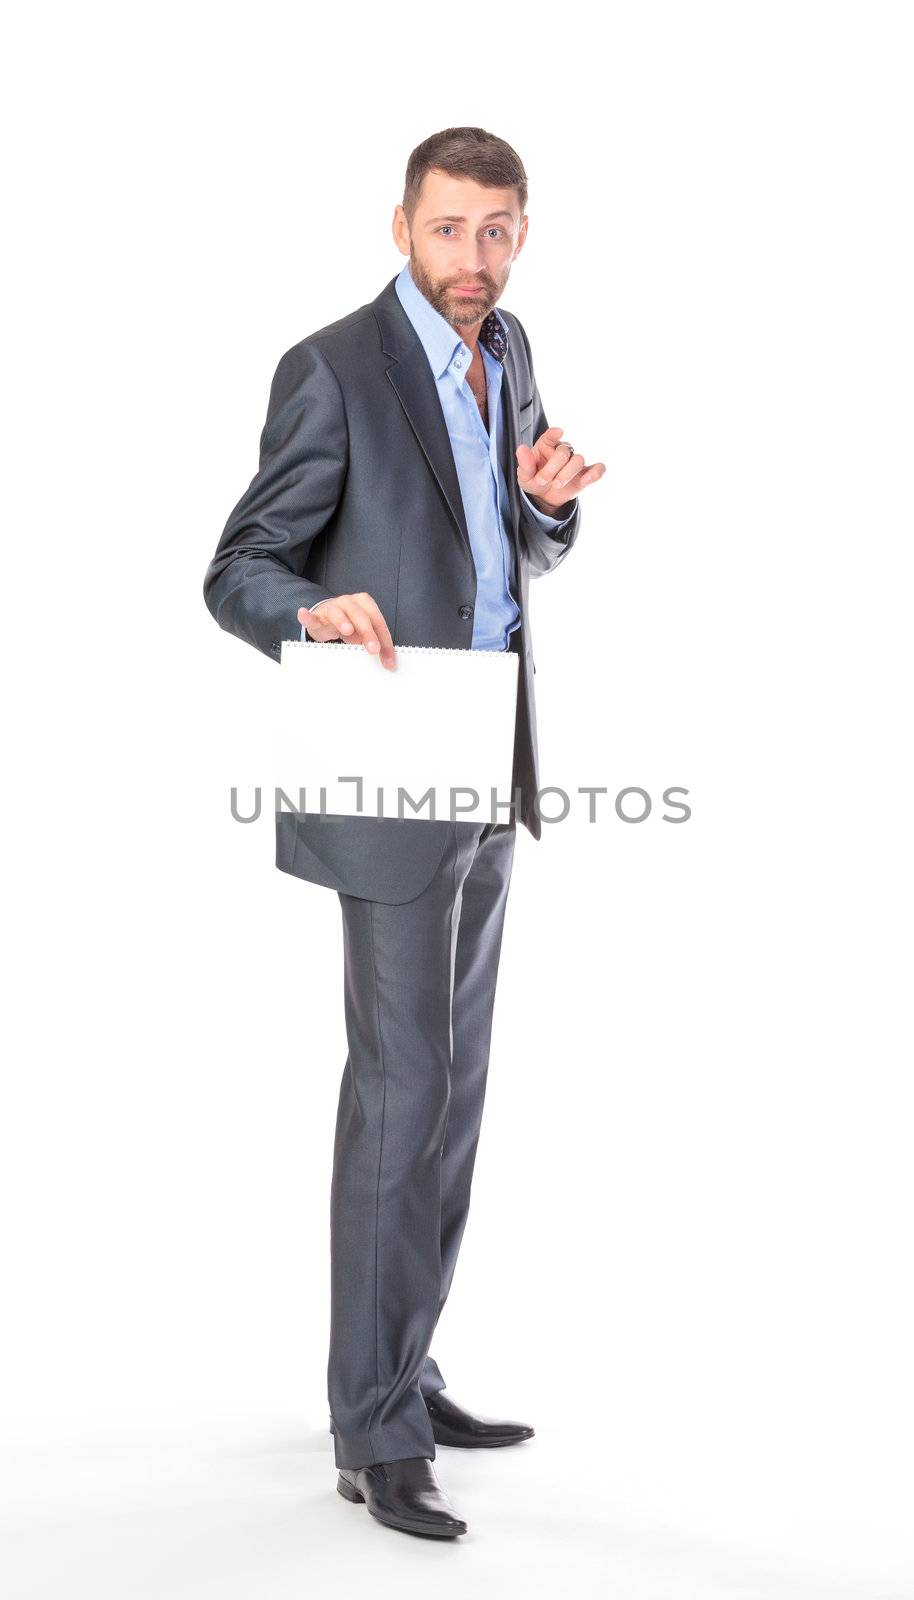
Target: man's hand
[[551, 472], [355, 618]]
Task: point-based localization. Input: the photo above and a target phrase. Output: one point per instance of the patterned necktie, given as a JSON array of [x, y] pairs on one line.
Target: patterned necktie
[[493, 337]]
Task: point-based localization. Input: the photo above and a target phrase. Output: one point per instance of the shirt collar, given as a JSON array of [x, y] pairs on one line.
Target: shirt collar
[[438, 338]]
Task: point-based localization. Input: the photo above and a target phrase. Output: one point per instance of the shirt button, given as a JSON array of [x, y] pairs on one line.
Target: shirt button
[[465, 612]]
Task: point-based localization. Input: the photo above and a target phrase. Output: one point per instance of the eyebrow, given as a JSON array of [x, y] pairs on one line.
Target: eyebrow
[[488, 218]]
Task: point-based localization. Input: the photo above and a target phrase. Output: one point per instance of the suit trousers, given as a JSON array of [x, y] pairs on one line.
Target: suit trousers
[[419, 984]]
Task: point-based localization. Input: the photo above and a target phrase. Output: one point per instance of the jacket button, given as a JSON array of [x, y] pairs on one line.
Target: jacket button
[[464, 612]]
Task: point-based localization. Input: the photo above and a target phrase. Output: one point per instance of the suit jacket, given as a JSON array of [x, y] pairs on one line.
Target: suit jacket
[[357, 490]]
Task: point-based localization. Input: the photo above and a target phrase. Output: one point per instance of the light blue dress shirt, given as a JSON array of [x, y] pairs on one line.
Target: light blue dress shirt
[[477, 458]]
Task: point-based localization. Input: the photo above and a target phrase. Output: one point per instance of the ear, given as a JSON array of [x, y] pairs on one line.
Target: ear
[[521, 237], [400, 229]]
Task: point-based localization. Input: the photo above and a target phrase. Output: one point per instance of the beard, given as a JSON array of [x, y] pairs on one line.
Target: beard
[[460, 310]]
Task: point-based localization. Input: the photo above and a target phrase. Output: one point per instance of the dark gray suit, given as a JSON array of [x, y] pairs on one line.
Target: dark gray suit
[[357, 490]]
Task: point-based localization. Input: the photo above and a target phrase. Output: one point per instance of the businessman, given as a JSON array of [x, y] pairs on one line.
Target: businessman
[[409, 487]]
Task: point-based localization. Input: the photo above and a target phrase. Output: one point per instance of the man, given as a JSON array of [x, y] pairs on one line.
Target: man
[[408, 489]]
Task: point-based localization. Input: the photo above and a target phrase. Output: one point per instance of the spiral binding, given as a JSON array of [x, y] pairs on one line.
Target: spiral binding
[[408, 649]]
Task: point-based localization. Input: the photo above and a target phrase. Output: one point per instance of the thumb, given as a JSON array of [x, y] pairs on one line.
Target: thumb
[[526, 461]]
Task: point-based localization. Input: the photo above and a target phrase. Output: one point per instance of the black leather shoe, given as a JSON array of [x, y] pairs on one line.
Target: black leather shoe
[[458, 1428], [403, 1494]]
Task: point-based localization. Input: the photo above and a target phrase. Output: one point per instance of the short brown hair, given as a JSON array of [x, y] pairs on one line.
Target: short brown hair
[[465, 153]]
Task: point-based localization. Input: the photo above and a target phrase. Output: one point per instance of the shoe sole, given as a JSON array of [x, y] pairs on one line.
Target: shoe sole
[[484, 1444], [425, 1529]]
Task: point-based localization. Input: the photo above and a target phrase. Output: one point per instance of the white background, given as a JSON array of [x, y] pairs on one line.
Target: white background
[[688, 1260]]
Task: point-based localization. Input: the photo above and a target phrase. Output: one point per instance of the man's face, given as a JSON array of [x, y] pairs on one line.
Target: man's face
[[461, 245]]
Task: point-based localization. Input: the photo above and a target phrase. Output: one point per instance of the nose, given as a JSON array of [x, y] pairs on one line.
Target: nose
[[473, 262]]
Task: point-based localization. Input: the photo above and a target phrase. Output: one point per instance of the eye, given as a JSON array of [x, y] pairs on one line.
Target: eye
[[497, 231], [445, 227]]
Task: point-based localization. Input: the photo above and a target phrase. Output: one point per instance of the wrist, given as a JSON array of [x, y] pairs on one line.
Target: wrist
[[561, 513]]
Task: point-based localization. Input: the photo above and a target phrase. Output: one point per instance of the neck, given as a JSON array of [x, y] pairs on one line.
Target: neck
[[470, 336]]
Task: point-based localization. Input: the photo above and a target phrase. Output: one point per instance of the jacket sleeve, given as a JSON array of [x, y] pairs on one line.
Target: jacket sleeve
[[551, 524], [254, 584], [545, 547]]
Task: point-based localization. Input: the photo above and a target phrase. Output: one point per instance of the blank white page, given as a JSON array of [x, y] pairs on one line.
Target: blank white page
[[443, 720]]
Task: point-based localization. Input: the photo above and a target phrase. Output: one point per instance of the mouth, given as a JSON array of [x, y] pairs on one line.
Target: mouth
[[469, 289]]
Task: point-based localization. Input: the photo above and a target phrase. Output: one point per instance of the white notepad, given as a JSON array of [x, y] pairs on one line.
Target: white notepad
[[442, 720]]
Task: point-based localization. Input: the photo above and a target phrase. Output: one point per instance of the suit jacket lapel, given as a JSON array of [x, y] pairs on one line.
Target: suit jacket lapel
[[511, 417], [411, 377]]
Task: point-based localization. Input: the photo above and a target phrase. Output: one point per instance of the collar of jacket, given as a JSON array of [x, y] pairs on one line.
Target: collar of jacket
[[412, 379]]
